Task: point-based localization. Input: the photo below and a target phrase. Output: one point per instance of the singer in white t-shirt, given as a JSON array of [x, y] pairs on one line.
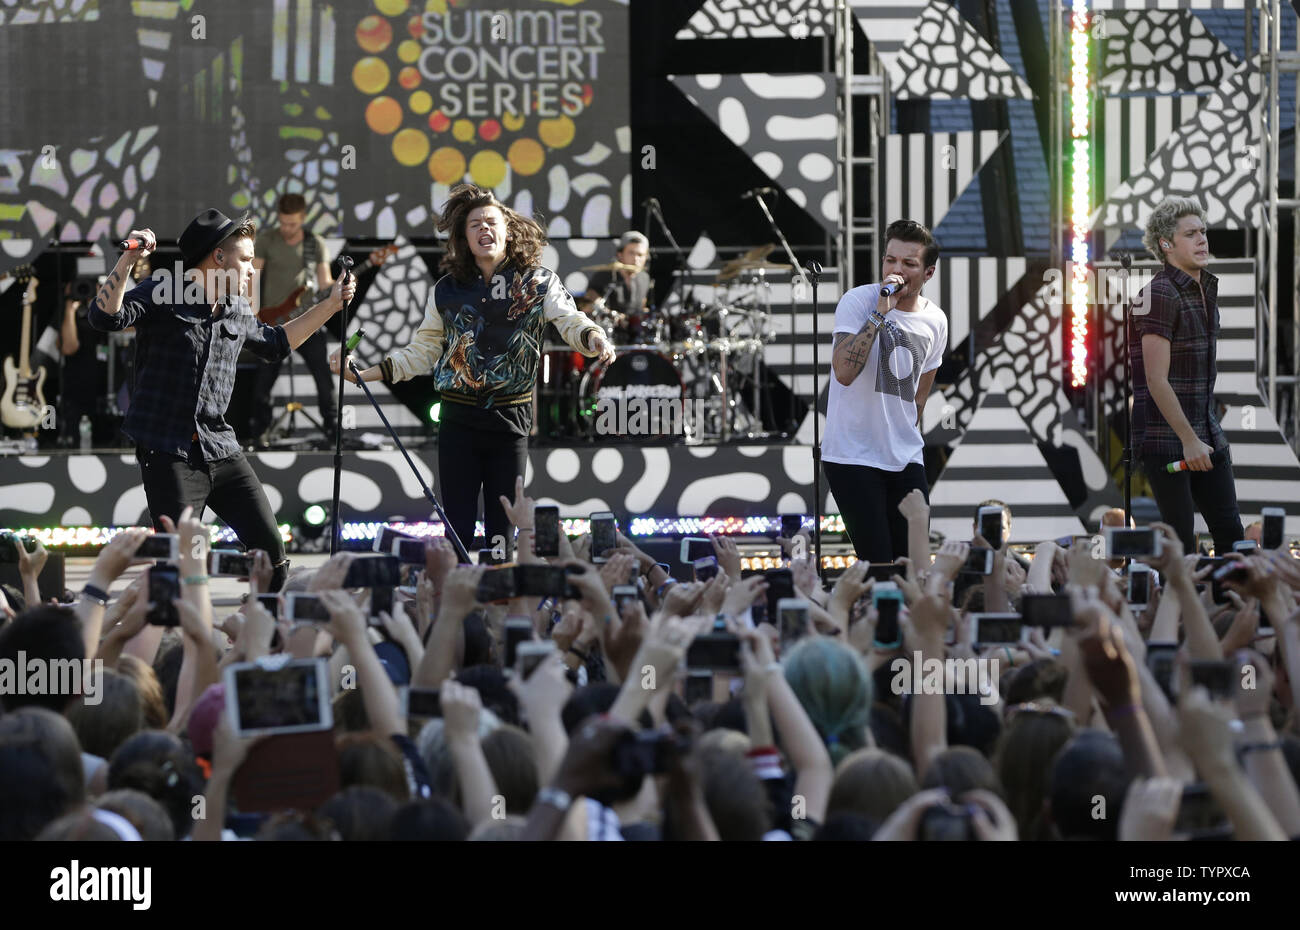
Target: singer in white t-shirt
[[884, 361]]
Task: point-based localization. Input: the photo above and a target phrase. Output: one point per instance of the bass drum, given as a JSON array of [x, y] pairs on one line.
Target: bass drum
[[637, 396]]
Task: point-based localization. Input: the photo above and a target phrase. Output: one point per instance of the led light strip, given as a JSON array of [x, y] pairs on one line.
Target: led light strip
[[1080, 192]]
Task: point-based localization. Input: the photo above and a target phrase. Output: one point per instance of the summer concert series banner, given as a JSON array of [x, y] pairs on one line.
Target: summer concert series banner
[[123, 112]]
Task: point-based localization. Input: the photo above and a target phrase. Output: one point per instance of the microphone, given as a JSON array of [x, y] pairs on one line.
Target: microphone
[[345, 262], [889, 290], [754, 192], [1126, 260], [130, 245], [354, 340]]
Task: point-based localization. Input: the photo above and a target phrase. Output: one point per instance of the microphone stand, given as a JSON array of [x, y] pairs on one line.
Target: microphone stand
[[814, 275], [437, 508], [796, 273], [345, 262], [652, 208], [1126, 259]]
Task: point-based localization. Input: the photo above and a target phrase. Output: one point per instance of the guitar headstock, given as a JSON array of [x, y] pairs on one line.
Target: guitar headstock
[[29, 296], [21, 273], [383, 254]]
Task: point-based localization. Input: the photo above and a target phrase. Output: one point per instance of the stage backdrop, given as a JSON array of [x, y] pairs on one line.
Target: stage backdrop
[[126, 113]]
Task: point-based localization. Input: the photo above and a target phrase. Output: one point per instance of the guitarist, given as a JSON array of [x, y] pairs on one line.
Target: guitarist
[[292, 262]]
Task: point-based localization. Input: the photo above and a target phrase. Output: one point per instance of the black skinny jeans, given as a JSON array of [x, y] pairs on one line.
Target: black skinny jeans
[[228, 486], [868, 499], [1213, 493], [473, 460]]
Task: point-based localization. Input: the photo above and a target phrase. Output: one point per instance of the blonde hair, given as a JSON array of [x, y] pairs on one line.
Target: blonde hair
[[1163, 222]]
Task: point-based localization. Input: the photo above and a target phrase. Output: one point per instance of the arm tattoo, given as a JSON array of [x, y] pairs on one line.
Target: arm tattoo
[[858, 349], [106, 289]]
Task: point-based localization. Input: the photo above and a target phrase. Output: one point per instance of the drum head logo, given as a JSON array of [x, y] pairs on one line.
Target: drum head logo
[[640, 363]]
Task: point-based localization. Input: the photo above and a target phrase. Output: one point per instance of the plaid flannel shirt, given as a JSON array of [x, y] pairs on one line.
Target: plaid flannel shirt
[[1187, 314], [185, 358]]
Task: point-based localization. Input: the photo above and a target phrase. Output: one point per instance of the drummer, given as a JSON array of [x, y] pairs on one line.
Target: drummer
[[623, 290]]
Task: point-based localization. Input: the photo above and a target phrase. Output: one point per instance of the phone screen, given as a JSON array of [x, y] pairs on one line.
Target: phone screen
[[792, 623], [720, 651], [603, 535], [410, 551], [496, 584], [888, 602], [1215, 675], [706, 568], [1160, 660], [307, 607], [995, 629], [164, 587], [546, 532], [1128, 543], [1139, 585], [423, 702], [1271, 535], [1046, 610], [231, 563], [271, 602], [990, 524], [623, 594], [780, 584], [164, 546], [372, 571], [979, 561], [517, 631], [285, 699]]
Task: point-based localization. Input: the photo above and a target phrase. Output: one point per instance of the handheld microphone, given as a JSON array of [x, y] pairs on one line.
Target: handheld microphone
[[130, 245], [345, 262], [1126, 260], [889, 290], [754, 192], [354, 340]]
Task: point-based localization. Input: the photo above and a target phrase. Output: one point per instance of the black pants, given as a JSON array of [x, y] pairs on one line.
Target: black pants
[[314, 355], [228, 486], [868, 499], [473, 460], [1213, 493]]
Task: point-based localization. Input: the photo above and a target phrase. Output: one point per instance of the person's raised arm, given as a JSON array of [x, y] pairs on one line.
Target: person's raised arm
[[111, 562], [541, 696], [445, 649], [851, 350], [1258, 743], [106, 309], [199, 650], [575, 328], [928, 626], [1207, 736], [916, 510], [29, 569], [461, 707], [1202, 641], [69, 342], [228, 752], [348, 627]]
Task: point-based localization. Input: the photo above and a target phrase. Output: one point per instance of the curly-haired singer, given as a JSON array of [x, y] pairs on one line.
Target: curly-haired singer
[[482, 339]]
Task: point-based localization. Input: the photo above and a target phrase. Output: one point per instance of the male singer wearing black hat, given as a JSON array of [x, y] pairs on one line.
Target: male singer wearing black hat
[[188, 336]]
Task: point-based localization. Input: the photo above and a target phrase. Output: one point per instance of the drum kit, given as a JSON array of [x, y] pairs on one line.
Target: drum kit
[[700, 355]]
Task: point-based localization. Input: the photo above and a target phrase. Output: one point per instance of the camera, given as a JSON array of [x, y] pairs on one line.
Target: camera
[[165, 547], [373, 570], [989, 521], [888, 601], [546, 532], [278, 696], [715, 652], [1274, 518], [230, 562], [646, 752], [694, 548], [1124, 542], [164, 587], [305, 608], [979, 561], [1047, 610], [9, 543], [996, 629], [946, 822], [604, 535]]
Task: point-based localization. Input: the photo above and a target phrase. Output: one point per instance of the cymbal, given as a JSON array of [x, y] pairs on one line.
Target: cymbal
[[734, 270], [758, 252], [612, 266]]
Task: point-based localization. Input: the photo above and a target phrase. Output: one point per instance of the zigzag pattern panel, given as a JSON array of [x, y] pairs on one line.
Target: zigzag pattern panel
[[947, 59], [1213, 157], [969, 288], [785, 123], [760, 19], [998, 459], [888, 26], [27, 12], [1161, 52], [925, 173], [1265, 466]]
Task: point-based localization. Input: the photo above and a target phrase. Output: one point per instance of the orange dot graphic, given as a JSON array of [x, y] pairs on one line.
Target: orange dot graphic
[[408, 51], [374, 34], [587, 94], [463, 130], [415, 27], [409, 78], [384, 115], [410, 147], [556, 133], [487, 168], [513, 121], [526, 156], [391, 7], [420, 102], [438, 121], [447, 165], [370, 75], [489, 130]]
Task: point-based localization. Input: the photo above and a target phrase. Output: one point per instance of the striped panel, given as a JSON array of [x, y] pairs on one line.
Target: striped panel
[[969, 288], [1168, 4], [924, 173], [303, 34], [1134, 127], [155, 42], [888, 24], [998, 459]]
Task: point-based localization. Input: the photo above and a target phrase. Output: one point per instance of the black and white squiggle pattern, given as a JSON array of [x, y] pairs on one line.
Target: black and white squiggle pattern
[[760, 19], [24, 12], [785, 123], [1160, 52], [1214, 157], [947, 59]]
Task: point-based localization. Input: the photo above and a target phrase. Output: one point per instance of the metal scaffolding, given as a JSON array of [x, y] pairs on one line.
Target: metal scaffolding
[[870, 92]]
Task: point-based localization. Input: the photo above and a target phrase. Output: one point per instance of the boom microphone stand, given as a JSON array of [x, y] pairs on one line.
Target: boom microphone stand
[[814, 276], [437, 508], [1126, 259], [345, 262]]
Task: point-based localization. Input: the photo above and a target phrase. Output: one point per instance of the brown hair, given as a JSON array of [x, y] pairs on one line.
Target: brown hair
[[247, 229], [870, 782], [911, 231], [525, 237], [513, 764], [291, 203], [103, 726], [370, 759], [150, 688]]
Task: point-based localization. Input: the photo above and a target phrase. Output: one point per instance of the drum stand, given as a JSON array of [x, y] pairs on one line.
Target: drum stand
[[292, 409]]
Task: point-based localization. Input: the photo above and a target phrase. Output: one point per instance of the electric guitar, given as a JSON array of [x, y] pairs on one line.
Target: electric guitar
[[284, 310], [23, 404]]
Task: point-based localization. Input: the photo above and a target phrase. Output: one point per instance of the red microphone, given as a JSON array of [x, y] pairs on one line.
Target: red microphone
[[130, 245]]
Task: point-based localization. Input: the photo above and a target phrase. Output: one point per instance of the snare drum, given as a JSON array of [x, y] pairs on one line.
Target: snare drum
[[637, 396]]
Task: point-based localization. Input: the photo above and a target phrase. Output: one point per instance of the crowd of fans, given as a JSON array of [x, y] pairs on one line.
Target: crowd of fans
[[612, 736]]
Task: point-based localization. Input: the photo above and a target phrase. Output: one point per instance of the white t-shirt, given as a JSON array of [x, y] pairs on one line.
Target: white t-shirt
[[872, 421]]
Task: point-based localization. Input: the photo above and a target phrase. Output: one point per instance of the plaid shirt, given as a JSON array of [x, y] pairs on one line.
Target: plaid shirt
[[1187, 314], [185, 367]]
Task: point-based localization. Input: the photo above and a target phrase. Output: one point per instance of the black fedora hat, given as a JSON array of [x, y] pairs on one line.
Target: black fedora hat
[[205, 233]]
